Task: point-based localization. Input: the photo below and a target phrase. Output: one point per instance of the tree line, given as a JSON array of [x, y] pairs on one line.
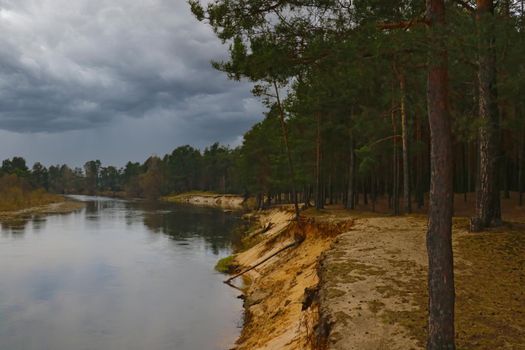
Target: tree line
[[185, 169]]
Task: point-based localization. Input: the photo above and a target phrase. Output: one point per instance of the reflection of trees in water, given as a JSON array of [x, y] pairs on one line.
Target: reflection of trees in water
[[181, 223], [94, 208], [15, 227], [19, 225]]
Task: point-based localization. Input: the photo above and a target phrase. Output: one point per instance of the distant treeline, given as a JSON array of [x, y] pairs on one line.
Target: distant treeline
[[185, 169]]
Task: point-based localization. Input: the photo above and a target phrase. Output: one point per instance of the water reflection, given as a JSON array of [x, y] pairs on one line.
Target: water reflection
[[117, 275]]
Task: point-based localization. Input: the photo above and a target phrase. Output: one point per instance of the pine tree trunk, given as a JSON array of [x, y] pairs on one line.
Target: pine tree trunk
[[319, 197], [521, 165], [365, 193], [465, 171], [395, 170], [419, 167], [506, 171], [288, 152], [404, 135], [441, 334], [375, 183], [350, 203], [488, 209], [330, 189]]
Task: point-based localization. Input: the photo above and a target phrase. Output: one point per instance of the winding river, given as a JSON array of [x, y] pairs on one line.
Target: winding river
[[118, 275]]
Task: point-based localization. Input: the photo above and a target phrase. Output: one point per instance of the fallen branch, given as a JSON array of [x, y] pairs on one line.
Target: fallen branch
[[294, 244]]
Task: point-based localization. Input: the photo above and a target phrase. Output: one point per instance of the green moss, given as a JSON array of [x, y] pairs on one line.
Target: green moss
[[226, 265]]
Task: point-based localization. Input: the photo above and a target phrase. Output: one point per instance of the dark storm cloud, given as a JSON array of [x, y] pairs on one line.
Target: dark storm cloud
[[87, 64]]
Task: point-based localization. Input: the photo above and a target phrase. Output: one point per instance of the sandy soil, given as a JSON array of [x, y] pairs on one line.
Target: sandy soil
[[373, 292], [274, 317], [369, 283]]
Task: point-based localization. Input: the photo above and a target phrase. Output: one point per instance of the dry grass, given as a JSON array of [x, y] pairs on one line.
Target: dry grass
[[16, 194]]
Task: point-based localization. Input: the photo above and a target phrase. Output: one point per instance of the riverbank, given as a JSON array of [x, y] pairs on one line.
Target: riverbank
[[61, 205], [209, 199], [358, 281], [278, 311]]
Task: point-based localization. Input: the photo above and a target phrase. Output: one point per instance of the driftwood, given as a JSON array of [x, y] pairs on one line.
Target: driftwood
[[294, 244]]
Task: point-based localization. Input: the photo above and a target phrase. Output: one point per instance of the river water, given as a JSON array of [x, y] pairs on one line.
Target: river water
[[118, 275]]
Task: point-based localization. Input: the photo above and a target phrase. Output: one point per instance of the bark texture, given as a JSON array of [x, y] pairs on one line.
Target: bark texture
[[488, 208], [350, 198], [441, 334], [404, 133]]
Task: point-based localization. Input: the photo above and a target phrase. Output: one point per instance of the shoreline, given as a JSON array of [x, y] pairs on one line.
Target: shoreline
[[208, 199], [65, 206]]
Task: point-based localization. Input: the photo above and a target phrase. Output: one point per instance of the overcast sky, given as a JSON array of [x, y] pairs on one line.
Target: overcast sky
[[114, 80]]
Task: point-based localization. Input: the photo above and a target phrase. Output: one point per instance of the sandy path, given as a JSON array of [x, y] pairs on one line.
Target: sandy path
[[371, 278]]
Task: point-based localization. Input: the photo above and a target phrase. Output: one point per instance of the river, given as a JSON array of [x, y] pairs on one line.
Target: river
[[118, 275]]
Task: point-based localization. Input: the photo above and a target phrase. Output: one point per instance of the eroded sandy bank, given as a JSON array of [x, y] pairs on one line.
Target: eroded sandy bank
[[224, 201], [280, 311]]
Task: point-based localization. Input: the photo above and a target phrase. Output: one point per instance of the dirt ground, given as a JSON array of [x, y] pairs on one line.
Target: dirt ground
[[370, 273], [373, 291]]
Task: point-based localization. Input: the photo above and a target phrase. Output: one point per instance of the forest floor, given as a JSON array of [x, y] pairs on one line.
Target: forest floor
[[63, 206], [368, 271]]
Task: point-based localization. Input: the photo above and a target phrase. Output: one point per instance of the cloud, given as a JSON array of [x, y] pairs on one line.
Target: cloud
[[86, 64]]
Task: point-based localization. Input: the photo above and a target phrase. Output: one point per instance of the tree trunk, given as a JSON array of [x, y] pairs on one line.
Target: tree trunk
[[465, 171], [404, 136], [395, 170], [350, 200], [441, 333], [419, 166], [319, 196], [288, 153], [506, 180], [488, 209], [521, 165], [330, 189]]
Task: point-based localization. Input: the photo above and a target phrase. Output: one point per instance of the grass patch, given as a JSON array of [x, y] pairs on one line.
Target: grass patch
[[226, 265]]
